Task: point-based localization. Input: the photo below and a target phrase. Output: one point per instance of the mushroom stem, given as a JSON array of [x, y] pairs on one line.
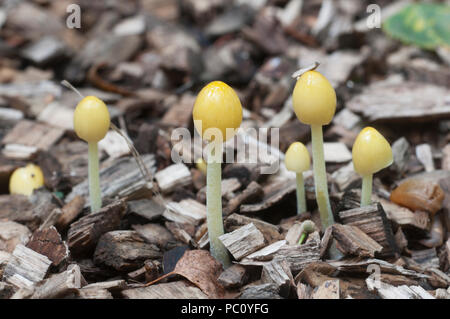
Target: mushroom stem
[[94, 177], [320, 177], [301, 198], [214, 208], [366, 191]]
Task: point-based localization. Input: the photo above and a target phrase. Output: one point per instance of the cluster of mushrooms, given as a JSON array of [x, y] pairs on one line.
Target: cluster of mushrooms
[[217, 115]]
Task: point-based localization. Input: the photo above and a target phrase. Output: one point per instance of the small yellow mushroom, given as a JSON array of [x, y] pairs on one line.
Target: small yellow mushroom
[[371, 153], [314, 102], [217, 107], [217, 115], [26, 179], [91, 123], [297, 160]]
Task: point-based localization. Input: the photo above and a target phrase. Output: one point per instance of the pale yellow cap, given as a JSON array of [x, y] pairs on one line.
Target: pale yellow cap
[[314, 99], [91, 119], [371, 152], [297, 158], [26, 179], [217, 107]]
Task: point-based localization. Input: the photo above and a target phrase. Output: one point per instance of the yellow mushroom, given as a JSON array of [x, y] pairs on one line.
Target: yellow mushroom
[[26, 179], [371, 153], [217, 115], [297, 160], [314, 102], [91, 123]]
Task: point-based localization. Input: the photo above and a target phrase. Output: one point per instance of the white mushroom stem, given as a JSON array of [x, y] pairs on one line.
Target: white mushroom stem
[[94, 177], [301, 198], [366, 191]]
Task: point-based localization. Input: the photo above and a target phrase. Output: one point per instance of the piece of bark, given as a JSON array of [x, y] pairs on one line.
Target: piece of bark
[[328, 290], [6, 290], [425, 156], [93, 293], [234, 276], [176, 175], [303, 291], [51, 219], [155, 234], [180, 233], [124, 250], [70, 211], [59, 285], [112, 285], [404, 217], [294, 233], [446, 158], [401, 154], [273, 194], [12, 234], [430, 101], [251, 194], [243, 241], [174, 290], [265, 254], [228, 186], [121, 177], [180, 114], [270, 232], [278, 273], [26, 267], [336, 152], [353, 241], [426, 258], [84, 233], [33, 134], [360, 266], [4, 259], [146, 208], [387, 291], [372, 221], [48, 242], [188, 211], [401, 240], [263, 291]]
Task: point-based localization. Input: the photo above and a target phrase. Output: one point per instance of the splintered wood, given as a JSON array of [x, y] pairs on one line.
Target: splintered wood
[[176, 175], [243, 241], [26, 267], [353, 241], [372, 220]]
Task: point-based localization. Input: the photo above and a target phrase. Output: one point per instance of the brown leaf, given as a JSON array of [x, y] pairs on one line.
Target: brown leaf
[[200, 268]]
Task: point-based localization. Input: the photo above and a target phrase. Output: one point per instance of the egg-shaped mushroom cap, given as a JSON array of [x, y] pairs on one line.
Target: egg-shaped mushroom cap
[[91, 119], [314, 99], [26, 179], [371, 152], [297, 158], [217, 107]]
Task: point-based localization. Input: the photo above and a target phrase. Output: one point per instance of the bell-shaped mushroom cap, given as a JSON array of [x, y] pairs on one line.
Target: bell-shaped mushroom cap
[[217, 110], [25, 179], [314, 99], [91, 119], [371, 152], [297, 158]]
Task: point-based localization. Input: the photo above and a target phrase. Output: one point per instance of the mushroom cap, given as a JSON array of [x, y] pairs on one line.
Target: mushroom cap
[[371, 152], [91, 119], [25, 179], [314, 99], [217, 107], [297, 158]]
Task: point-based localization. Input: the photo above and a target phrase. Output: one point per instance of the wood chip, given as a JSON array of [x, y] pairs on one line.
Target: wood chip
[[446, 158], [228, 186], [234, 276], [353, 241], [12, 234], [176, 175], [253, 193], [336, 152], [112, 285], [59, 285], [265, 254], [328, 290], [264, 291], [93, 293], [146, 208], [270, 231], [372, 220], [70, 211], [278, 273], [124, 250], [26, 267], [48, 242], [273, 194], [387, 291], [187, 211], [84, 233], [424, 155], [175, 290], [243, 241], [390, 100], [404, 217], [155, 234]]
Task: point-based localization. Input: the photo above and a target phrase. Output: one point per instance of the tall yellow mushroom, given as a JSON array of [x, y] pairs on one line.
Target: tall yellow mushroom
[[217, 115], [314, 101], [297, 160], [91, 123], [371, 153]]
